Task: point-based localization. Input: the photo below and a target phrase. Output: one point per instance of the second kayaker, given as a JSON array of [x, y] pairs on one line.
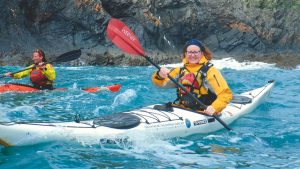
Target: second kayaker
[[42, 74], [199, 77]]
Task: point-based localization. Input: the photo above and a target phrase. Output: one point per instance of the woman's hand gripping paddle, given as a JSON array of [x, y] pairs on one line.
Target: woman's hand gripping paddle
[[126, 40]]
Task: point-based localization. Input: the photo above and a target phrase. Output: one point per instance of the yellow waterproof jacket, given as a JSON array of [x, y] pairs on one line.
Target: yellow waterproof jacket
[[49, 72], [214, 78]]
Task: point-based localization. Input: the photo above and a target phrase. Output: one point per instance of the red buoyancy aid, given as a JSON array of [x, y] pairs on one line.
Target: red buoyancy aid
[[193, 83], [38, 78], [189, 81]]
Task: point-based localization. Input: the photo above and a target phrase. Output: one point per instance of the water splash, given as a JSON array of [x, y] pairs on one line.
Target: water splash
[[74, 86], [124, 98], [22, 112]]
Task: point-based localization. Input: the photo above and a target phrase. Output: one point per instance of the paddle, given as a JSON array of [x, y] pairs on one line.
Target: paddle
[[126, 40], [66, 57]]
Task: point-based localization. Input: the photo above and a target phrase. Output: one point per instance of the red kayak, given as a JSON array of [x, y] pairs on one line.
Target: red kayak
[[21, 88]]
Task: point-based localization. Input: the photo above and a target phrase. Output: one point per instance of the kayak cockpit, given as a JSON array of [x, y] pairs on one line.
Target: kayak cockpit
[[118, 121], [239, 99]]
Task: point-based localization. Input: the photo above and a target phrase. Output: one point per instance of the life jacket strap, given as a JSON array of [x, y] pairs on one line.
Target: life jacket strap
[[207, 99]]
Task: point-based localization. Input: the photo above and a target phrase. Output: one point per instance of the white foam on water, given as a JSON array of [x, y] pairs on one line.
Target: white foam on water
[[144, 146], [74, 86], [74, 68], [98, 108], [103, 77], [124, 98], [28, 111], [121, 78], [25, 109], [106, 78], [3, 114], [231, 63], [235, 139], [212, 136]]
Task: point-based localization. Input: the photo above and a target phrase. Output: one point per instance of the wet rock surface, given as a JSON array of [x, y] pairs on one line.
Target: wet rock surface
[[267, 31]]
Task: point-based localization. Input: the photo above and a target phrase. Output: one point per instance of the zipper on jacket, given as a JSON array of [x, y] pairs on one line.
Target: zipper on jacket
[[216, 80]]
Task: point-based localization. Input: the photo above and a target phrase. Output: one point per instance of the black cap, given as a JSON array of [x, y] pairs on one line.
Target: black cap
[[194, 42]]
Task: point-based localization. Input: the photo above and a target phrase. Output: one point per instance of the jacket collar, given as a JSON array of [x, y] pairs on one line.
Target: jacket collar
[[202, 61]]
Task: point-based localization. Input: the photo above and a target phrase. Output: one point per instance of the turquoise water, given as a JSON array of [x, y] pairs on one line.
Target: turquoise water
[[269, 137]]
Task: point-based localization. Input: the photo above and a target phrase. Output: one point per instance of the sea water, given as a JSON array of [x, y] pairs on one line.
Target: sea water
[[268, 137]]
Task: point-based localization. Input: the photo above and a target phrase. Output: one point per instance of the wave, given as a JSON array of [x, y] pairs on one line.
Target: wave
[[124, 98], [231, 63], [75, 67], [21, 111]]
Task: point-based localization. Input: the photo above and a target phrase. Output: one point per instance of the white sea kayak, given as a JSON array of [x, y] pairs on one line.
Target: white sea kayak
[[156, 120]]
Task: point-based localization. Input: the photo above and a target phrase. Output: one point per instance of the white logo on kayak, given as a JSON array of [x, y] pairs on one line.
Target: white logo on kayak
[[200, 122]]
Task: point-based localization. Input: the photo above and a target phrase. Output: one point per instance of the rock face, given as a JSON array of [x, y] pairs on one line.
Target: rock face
[[244, 29]]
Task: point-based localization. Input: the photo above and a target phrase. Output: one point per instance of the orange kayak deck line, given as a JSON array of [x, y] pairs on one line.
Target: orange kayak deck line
[[112, 88], [21, 88], [11, 87]]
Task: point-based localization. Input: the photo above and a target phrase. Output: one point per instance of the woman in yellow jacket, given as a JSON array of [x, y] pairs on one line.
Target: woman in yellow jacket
[[42, 74], [199, 77]]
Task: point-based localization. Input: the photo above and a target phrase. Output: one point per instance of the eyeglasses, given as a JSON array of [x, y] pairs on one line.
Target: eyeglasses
[[193, 52]]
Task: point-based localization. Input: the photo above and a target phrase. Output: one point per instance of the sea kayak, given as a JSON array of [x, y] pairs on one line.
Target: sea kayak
[[160, 121], [21, 88]]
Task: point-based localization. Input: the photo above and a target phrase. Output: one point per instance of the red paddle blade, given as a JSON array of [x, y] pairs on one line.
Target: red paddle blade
[[123, 37]]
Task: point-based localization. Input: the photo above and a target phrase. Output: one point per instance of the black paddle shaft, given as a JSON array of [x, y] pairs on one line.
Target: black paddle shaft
[[203, 106]]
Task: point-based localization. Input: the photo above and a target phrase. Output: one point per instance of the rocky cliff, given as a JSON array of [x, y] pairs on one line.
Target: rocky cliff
[[264, 30]]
